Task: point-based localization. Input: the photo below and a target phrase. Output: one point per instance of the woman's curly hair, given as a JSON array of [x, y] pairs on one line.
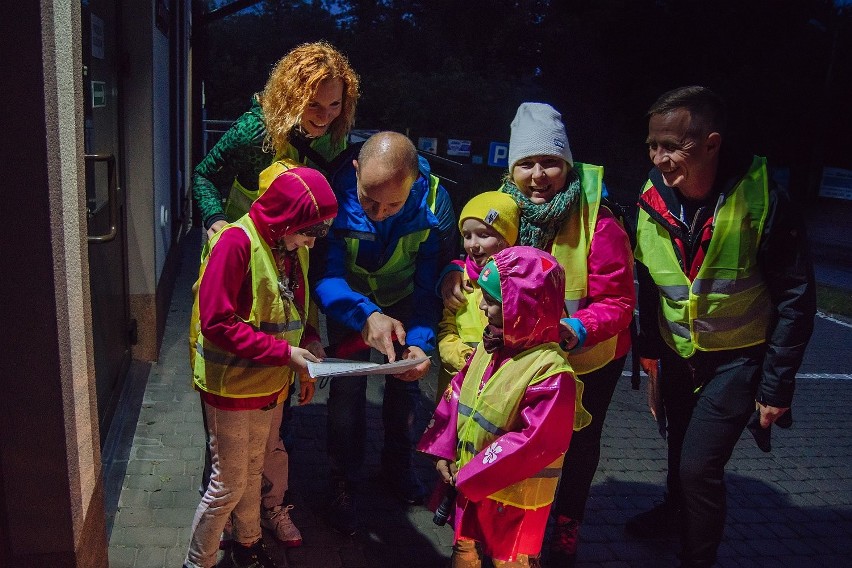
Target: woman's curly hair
[[294, 81]]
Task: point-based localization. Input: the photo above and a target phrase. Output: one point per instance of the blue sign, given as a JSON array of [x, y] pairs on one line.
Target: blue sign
[[498, 155]]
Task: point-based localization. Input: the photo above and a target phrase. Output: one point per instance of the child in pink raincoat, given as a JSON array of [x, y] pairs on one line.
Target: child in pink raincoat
[[505, 421]]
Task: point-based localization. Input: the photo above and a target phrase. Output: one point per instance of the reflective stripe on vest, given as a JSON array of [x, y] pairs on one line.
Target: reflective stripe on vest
[[571, 248], [727, 306], [485, 416], [393, 281], [223, 373]]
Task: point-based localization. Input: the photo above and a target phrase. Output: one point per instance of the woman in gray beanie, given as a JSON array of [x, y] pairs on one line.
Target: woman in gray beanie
[[562, 213]]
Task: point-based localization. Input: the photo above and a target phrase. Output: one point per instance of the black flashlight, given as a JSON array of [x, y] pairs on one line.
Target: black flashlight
[[442, 513]]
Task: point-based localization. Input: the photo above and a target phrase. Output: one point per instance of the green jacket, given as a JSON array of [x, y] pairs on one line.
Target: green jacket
[[239, 157]]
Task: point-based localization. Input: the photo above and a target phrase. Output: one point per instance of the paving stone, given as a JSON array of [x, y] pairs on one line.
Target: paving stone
[[791, 507]]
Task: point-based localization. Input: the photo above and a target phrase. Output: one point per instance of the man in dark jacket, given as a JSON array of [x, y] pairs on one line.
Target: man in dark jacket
[[726, 308]]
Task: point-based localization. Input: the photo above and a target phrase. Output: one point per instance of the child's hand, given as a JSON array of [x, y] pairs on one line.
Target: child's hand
[[452, 290], [448, 470], [299, 359]]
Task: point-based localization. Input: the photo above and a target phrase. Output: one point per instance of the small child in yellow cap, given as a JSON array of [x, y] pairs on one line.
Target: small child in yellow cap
[[488, 224]]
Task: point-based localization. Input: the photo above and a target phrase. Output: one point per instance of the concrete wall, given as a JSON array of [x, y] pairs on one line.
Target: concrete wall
[[51, 502]]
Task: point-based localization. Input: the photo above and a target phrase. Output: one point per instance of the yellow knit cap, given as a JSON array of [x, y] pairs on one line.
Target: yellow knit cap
[[496, 209]]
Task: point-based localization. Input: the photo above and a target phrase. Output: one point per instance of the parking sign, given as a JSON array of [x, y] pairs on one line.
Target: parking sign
[[498, 154]]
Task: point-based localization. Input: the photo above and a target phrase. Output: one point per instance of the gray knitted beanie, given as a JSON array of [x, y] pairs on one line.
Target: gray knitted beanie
[[537, 130]]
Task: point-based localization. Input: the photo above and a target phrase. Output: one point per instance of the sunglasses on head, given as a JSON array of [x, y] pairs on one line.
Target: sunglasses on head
[[318, 230]]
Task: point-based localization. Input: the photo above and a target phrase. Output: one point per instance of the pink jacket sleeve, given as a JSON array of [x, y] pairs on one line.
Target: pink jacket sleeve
[[546, 418], [441, 435], [611, 293], [225, 294]]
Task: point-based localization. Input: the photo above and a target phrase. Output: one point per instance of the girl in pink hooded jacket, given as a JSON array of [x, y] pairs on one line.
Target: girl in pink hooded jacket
[[499, 431], [253, 302]]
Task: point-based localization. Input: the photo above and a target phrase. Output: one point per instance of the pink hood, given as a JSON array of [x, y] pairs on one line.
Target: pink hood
[[296, 199], [533, 287]]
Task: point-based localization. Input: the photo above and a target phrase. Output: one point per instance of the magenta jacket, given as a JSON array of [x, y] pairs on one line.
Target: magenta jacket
[[531, 313]]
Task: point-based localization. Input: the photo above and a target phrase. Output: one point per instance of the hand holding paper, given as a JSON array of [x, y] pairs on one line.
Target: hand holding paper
[[343, 367]]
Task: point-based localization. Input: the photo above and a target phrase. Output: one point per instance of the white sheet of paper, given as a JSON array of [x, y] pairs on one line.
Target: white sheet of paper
[[331, 367]]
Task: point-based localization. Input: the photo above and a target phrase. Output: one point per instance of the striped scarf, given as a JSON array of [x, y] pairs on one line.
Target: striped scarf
[[541, 221]]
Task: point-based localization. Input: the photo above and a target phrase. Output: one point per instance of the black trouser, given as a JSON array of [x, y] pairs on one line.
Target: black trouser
[[704, 427], [584, 453], [347, 422]]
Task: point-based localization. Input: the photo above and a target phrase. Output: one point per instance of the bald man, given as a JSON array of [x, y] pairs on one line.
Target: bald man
[[394, 233]]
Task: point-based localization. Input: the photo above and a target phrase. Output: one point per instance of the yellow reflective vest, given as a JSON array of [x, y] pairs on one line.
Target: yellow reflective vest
[[394, 280], [727, 306], [240, 198], [571, 248], [216, 370], [458, 334], [470, 320], [485, 416]]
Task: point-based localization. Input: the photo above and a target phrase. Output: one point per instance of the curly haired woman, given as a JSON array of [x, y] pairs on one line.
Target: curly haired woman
[[303, 114]]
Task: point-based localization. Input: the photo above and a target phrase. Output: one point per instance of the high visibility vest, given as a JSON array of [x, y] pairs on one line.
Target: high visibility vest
[[265, 179], [571, 248], [218, 371], [394, 280], [240, 198], [487, 415], [470, 320], [727, 306]]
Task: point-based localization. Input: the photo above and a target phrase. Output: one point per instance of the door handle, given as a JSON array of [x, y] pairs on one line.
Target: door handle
[[112, 196]]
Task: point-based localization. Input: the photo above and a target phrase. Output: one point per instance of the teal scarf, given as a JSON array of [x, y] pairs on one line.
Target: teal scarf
[[540, 222]]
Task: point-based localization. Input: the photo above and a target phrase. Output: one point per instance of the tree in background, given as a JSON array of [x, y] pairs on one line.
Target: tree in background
[[445, 68]]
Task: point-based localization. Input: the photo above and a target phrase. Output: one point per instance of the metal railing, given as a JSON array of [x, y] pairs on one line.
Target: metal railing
[[211, 132]]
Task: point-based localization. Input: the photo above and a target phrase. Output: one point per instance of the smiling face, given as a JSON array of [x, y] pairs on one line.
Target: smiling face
[[492, 308], [540, 177], [480, 240], [323, 107], [686, 157]]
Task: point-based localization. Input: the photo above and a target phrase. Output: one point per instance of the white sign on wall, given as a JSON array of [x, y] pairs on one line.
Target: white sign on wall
[[458, 147]]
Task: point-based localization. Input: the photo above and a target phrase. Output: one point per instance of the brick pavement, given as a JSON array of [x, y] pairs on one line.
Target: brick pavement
[[792, 507]]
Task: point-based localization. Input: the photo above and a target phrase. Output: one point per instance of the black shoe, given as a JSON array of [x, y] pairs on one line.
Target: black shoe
[[404, 483], [663, 521], [342, 515], [254, 556]]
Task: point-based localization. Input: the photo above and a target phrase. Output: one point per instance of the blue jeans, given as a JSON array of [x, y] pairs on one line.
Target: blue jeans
[[347, 420]]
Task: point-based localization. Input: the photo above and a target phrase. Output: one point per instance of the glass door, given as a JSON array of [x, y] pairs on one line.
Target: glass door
[[112, 329]]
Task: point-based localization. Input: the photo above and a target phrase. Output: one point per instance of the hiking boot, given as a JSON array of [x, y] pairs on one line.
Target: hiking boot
[[342, 515], [279, 522], [254, 556], [563, 546], [662, 521], [403, 482]]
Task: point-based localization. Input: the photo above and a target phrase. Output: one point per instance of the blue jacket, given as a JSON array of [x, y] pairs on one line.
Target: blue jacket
[[377, 242]]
